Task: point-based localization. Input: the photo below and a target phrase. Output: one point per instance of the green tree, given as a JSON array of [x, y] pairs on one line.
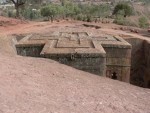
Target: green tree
[[69, 9], [123, 9], [18, 4], [50, 11]]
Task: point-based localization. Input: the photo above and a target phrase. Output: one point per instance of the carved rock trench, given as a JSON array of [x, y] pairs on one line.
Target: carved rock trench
[[140, 62]]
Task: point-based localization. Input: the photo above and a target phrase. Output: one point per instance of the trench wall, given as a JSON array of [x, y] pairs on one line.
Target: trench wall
[[147, 64], [95, 65], [32, 50], [140, 62]]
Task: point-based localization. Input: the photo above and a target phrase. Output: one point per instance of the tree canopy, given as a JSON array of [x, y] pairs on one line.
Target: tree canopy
[[17, 4], [122, 8], [50, 11]]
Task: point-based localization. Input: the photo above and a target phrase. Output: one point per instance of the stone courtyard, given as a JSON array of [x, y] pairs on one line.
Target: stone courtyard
[[104, 55]]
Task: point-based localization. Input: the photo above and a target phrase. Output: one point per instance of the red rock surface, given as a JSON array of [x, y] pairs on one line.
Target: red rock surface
[[34, 85]]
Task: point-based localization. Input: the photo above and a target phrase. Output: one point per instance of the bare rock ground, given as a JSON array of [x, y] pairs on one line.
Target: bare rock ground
[[34, 85]]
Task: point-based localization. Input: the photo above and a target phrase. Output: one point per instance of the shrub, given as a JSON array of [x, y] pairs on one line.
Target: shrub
[[84, 12], [124, 21], [125, 9], [29, 13], [79, 17], [50, 11], [89, 18], [11, 14], [119, 20], [143, 22]]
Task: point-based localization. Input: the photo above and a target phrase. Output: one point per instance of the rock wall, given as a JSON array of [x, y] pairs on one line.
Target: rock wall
[[33, 51], [118, 60], [147, 64], [92, 63], [95, 65], [140, 62]]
